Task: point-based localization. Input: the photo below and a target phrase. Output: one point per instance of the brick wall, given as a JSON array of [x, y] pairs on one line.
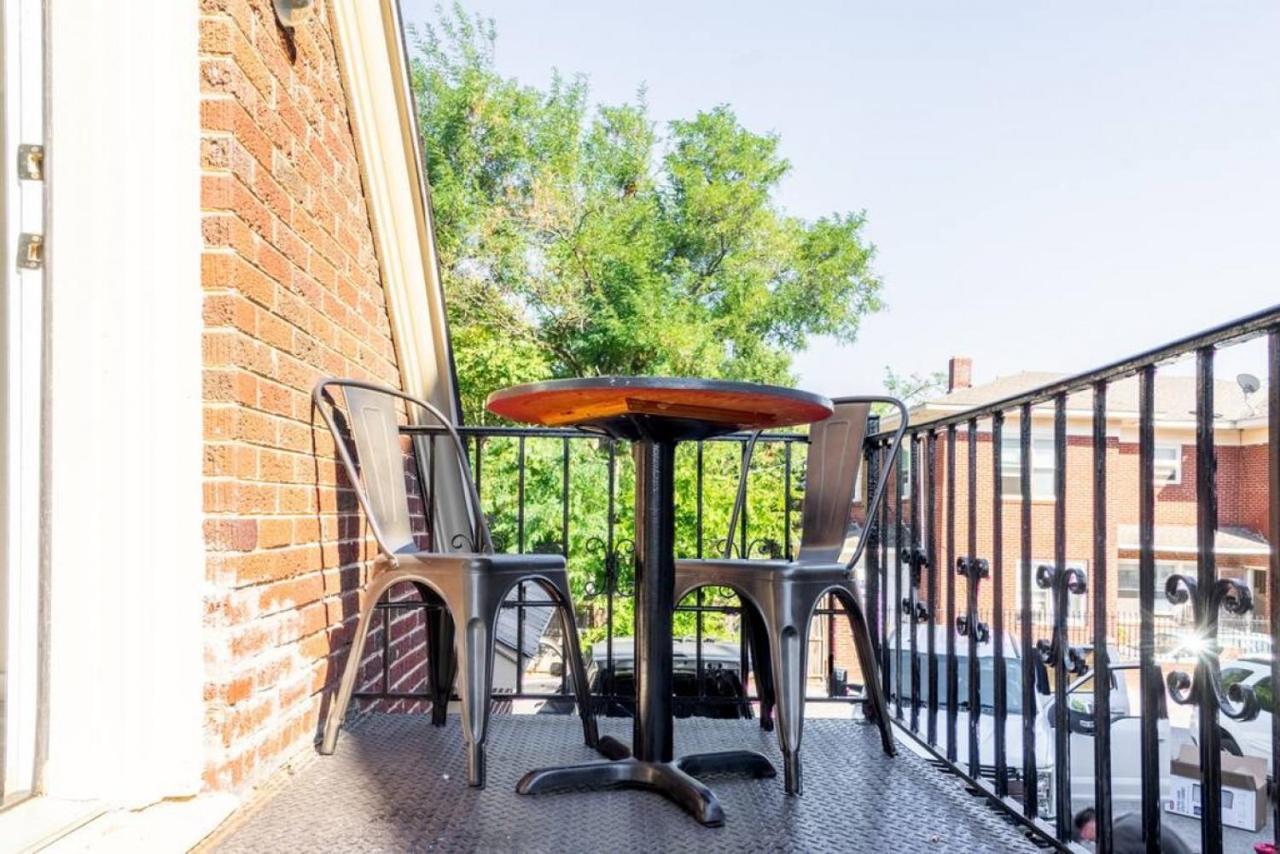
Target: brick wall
[[292, 292]]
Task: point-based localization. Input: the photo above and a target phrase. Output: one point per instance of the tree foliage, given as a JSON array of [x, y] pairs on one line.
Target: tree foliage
[[578, 240]]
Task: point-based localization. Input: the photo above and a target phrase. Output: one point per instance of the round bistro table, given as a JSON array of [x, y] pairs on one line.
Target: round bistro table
[[654, 414]]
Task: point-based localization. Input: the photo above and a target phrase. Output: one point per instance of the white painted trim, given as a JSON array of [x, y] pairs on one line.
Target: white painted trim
[[21, 400], [125, 549], [375, 75]]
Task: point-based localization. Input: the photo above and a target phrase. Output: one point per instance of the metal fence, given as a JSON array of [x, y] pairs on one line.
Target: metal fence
[[946, 575], [969, 672]]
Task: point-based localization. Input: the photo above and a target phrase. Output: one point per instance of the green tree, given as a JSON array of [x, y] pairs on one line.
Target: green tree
[[577, 240], [914, 388], [580, 239]]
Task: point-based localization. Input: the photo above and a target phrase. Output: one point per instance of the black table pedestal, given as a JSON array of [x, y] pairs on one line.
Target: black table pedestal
[[649, 763]]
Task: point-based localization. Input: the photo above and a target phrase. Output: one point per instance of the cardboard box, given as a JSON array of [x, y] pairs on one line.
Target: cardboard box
[[1244, 788]]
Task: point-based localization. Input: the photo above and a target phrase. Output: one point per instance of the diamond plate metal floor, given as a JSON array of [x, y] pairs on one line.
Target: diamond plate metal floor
[[397, 784]]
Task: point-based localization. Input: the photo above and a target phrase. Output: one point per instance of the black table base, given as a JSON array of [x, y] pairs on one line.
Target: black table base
[[676, 780], [649, 763]]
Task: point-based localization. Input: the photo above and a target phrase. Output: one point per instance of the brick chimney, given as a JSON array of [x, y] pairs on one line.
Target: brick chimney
[[959, 373]]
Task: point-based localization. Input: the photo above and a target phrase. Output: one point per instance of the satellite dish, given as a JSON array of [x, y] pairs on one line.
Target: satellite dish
[[1248, 383]]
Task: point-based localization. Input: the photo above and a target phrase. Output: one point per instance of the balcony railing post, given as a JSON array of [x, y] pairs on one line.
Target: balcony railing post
[[974, 569], [931, 594], [953, 676], [887, 666], [1151, 684], [916, 566], [899, 468], [1273, 523], [1207, 617], [1000, 682], [1101, 652], [1030, 778]]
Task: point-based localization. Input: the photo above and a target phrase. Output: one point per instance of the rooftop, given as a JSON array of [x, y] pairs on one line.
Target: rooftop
[[1175, 397]]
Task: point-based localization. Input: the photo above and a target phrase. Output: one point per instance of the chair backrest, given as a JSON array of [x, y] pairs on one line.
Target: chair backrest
[[831, 476], [379, 474], [375, 429]]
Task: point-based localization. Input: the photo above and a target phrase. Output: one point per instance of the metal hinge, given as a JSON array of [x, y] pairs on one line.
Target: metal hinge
[[31, 162], [30, 251]]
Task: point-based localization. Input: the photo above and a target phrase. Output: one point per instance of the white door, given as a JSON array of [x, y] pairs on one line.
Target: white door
[[21, 336]]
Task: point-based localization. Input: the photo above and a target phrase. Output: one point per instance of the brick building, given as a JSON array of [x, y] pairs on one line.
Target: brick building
[[1240, 434]]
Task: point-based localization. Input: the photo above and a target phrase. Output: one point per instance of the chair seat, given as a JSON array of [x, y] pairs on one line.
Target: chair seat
[[725, 571], [495, 564]]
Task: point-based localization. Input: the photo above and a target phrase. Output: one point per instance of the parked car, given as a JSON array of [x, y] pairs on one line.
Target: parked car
[[1126, 768], [723, 691], [1247, 738]]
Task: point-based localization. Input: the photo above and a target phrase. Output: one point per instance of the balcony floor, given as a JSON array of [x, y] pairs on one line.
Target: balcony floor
[[396, 783]]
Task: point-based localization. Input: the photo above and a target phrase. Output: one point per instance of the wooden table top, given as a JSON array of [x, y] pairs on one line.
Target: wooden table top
[[658, 407]]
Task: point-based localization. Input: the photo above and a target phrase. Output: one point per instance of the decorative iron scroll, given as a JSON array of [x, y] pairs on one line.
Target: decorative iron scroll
[[974, 570], [1062, 582], [1237, 701], [622, 554], [917, 561]]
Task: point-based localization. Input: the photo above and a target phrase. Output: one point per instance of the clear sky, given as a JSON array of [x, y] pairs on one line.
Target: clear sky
[[1050, 185]]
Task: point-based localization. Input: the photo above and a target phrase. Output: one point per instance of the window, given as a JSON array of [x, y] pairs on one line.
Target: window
[[1127, 586], [1168, 464], [1011, 465], [1042, 599], [986, 679]]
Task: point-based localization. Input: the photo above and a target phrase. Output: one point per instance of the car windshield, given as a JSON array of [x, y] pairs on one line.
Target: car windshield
[[986, 681]]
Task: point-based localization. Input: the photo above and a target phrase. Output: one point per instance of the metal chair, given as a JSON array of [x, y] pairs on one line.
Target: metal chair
[[779, 596], [471, 586]]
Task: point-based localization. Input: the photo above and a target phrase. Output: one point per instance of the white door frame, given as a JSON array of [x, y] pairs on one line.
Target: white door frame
[[22, 320]]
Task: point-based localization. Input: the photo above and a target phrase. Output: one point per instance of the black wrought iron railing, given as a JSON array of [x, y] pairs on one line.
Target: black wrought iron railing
[[1049, 678], [995, 607], [529, 480]]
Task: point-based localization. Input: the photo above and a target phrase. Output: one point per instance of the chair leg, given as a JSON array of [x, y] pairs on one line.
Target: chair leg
[[758, 639], [442, 664], [351, 669], [474, 643], [789, 652], [879, 711], [581, 688]]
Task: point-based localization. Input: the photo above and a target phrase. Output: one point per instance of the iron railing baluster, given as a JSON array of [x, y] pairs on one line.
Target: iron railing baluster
[[1101, 651], [1207, 617], [887, 666], [1000, 683], [1151, 682], [1061, 736], [1030, 777], [1273, 523], [786, 492], [520, 510], [973, 570], [953, 675], [871, 531], [899, 466], [931, 592], [564, 551], [610, 591], [913, 596]]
